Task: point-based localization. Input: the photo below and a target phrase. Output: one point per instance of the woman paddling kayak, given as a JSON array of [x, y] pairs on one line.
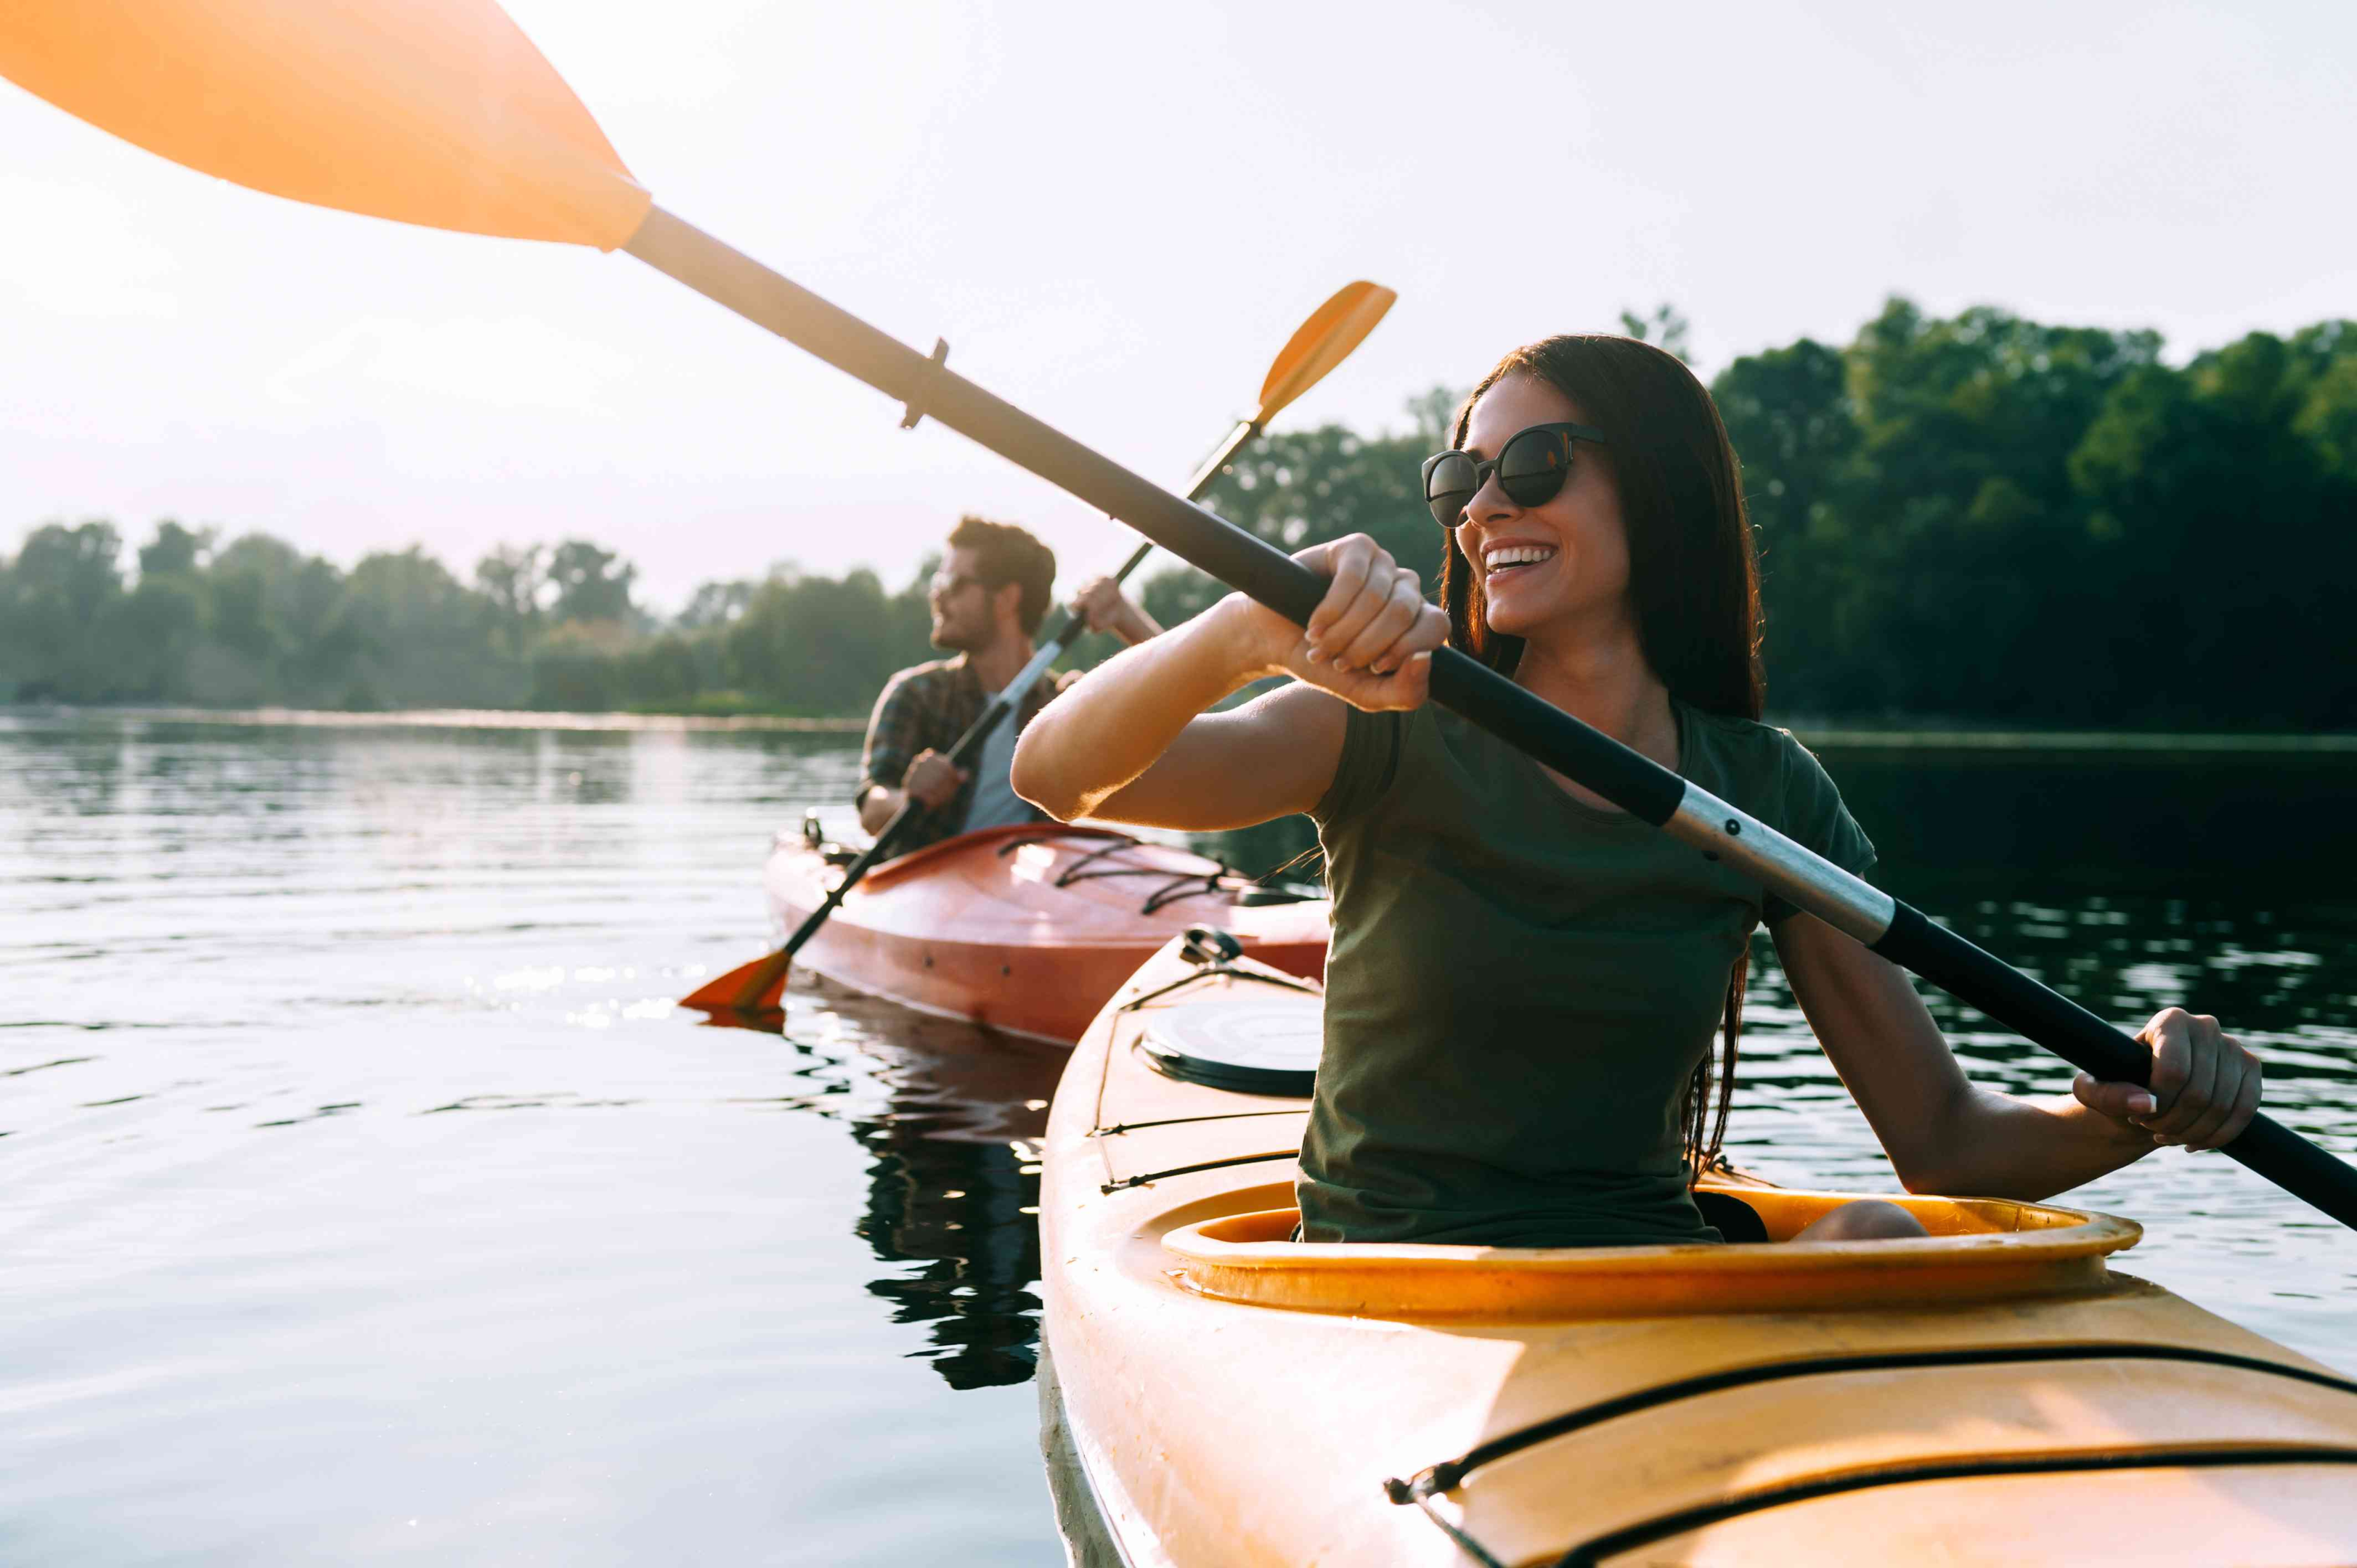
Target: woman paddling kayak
[[1524, 983]]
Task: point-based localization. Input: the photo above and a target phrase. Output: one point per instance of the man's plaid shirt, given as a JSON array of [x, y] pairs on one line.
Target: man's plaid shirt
[[926, 708]]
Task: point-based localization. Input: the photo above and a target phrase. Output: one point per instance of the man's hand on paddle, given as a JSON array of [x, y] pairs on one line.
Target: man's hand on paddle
[[932, 779], [1371, 640], [2205, 1086], [1105, 607]]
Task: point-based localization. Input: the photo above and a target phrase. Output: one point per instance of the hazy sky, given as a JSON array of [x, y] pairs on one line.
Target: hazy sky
[[1116, 215]]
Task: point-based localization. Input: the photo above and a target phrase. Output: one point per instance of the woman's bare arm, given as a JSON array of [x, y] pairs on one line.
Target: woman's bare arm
[[1132, 741], [1945, 1136]]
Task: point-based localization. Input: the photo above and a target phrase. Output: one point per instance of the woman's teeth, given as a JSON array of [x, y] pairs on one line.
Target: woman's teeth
[[1508, 557]]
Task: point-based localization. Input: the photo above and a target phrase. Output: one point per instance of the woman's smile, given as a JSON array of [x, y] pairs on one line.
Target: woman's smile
[[1511, 560]]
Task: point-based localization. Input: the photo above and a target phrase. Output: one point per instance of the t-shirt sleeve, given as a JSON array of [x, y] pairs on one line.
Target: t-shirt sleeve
[[1814, 817], [1371, 749]]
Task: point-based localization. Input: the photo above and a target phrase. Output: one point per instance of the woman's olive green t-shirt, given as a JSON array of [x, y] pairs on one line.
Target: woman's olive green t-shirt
[[1521, 986]]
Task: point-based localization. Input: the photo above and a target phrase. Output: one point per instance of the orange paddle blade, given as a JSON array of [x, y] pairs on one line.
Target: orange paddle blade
[[756, 987], [1324, 342], [432, 112]]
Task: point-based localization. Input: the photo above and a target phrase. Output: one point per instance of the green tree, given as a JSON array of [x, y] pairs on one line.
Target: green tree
[[818, 645], [1794, 428], [2219, 491], [576, 668], [424, 637], [278, 626], [591, 582], [65, 591], [661, 671], [175, 550], [718, 603], [512, 580]]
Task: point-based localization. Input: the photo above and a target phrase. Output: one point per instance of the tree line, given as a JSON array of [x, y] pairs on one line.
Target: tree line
[[1978, 519], [1982, 519], [255, 621]]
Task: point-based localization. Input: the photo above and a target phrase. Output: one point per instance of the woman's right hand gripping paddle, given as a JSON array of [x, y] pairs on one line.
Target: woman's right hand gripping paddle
[[1371, 640]]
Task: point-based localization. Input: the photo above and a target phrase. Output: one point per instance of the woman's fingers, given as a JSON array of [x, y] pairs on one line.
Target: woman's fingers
[[1349, 562], [2120, 1101], [2234, 1097], [1427, 630], [2169, 1038], [1408, 687], [1400, 606], [1407, 682], [1344, 564], [1371, 640], [2246, 1105], [2184, 1070], [2205, 1086], [2193, 1102]]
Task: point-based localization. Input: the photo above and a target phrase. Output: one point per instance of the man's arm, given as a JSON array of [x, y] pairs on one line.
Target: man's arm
[[896, 765], [892, 745]]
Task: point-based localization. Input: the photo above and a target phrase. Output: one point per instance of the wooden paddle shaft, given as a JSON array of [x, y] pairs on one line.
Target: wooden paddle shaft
[[1635, 783]]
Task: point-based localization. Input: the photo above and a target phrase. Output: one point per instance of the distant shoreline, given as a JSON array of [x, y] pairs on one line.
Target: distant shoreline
[[1821, 735], [446, 718]]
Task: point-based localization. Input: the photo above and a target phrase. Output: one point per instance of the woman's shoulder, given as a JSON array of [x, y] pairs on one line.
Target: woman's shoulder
[[1745, 741], [1767, 771], [1425, 760], [1366, 763], [1759, 765]]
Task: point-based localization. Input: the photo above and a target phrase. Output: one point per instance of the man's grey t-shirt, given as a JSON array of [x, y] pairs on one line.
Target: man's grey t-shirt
[[996, 804]]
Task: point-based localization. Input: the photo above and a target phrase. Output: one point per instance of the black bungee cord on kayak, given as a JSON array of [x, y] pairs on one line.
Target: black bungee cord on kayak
[[2200, 1457], [1435, 1480], [1212, 952], [1182, 885]]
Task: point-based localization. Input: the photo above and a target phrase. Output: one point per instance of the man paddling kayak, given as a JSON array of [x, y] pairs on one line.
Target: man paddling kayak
[[987, 600], [1524, 981]]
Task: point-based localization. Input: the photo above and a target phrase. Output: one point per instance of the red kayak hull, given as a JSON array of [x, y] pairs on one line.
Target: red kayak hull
[[1025, 929]]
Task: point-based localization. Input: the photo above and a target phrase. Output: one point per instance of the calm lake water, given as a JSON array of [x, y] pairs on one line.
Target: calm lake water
[[366, 1200]]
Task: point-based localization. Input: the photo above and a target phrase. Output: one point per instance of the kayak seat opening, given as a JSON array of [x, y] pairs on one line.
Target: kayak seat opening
[[1975, 1250]]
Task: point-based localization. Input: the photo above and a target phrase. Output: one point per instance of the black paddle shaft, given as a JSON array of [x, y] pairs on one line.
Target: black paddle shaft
[[1635, 783]]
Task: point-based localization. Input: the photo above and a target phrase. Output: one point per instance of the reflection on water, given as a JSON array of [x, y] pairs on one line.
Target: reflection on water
[[961, 1212], [953, 1182], [344, 1112]]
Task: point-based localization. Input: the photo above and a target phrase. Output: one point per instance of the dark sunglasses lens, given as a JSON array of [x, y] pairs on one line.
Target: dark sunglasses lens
[[1448, 486], [1532, 467]]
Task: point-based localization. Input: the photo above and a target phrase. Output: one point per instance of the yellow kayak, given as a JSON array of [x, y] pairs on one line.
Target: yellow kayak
[[1213, 1393]]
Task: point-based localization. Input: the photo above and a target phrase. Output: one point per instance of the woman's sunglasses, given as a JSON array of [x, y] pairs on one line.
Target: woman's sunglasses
[[1531, 467]]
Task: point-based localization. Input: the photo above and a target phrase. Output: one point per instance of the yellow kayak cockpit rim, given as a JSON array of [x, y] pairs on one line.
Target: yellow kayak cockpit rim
[[1978, 1250]]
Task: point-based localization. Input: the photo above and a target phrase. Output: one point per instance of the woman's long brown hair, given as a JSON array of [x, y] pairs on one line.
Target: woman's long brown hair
[[1693, 575]]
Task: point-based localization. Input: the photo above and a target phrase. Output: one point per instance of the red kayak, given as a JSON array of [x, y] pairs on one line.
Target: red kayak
[[1027, 930]]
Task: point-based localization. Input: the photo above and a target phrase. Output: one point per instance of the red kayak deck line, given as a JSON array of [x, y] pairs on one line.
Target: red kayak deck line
[[1027, 929]]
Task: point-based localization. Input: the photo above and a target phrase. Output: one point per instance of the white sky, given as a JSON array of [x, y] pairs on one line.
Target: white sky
[[1116, 215]]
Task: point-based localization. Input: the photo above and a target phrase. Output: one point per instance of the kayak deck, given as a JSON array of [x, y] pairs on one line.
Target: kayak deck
[[1025, 929], [1974, 1396]]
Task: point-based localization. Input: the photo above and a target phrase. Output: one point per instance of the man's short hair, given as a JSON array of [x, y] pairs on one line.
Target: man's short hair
[[1003, 554]]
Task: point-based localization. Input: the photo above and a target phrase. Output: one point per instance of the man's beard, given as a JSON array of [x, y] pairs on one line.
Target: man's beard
[[952, 638]]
